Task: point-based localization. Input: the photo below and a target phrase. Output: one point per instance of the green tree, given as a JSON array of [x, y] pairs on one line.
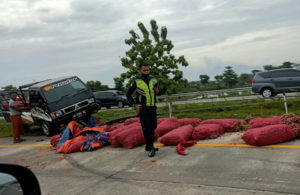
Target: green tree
[[96, 86], [156, 52], [254, 72], [9, 88], [204, 79], [269, 67], [219, 80], [230, 78], [245, 79], [287, 65]]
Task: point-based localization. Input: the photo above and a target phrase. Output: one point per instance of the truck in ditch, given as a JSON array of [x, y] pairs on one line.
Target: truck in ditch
[[55, 102]]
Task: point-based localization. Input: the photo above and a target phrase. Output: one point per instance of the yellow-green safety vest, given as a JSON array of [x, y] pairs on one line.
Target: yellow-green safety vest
[[147, 91]]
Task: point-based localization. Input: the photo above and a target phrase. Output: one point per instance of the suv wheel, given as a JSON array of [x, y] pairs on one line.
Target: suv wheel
[[46, 128], [120, 105], [267, 92]]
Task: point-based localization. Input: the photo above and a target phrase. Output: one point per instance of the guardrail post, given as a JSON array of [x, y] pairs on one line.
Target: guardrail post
[[170, 109], [285, 104]]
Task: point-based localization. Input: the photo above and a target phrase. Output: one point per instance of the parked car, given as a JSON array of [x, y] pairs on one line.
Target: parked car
[[1, 108], [111, 98], [270, 83]]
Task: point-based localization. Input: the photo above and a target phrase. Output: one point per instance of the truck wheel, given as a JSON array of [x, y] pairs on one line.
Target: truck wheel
[[120, 105], [46, 128]]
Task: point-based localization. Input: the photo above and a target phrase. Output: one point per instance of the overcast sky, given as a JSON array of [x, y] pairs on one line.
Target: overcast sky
[[41, 39]]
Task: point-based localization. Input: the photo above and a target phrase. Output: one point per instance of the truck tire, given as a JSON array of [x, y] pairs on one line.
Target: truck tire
[[46, 128]]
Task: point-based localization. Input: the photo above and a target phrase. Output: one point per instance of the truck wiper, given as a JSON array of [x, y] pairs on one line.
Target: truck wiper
[[62, 97], [78, 92]]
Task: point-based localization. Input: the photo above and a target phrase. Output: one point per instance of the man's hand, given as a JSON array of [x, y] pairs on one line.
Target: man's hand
[[137, 108], [156, 90]]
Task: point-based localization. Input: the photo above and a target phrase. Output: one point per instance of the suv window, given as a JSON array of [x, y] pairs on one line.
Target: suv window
[[285, 73], [264, 74], [278, 74], [293, 73]]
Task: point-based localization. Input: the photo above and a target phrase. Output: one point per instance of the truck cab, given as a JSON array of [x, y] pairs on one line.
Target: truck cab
[[55, 102]]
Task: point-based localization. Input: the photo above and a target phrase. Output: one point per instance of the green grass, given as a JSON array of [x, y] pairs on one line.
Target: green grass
[[6, 130], [236, 109]]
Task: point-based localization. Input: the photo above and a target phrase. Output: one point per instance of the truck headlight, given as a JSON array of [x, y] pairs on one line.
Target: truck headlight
[[58, 113], [91, 100]]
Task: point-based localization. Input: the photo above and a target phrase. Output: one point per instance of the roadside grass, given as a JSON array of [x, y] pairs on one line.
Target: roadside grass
[[6, 130], [236, 109]]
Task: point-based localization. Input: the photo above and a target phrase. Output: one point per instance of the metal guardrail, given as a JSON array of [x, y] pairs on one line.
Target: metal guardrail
[[205, 93]]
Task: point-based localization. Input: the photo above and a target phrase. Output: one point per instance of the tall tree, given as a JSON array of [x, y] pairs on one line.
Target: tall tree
[[287, 64], [219, 80], [230, 78], [156, 52], [204, 79], [245, 79], [96, 86]]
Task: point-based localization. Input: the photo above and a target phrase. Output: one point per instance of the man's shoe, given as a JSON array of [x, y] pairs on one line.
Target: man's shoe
[[152, 152], [148, 150]]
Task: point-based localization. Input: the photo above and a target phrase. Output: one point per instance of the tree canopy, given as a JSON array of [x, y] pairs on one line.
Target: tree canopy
[[96, 86], [229, 77], [152, 48], [9, 88], [204, 79]]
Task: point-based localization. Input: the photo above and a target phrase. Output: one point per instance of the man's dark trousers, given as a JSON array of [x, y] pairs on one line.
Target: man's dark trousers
[[149, 123]]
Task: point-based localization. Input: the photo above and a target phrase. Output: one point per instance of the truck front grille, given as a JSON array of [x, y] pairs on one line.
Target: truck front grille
[[69, 109], [83, 103]]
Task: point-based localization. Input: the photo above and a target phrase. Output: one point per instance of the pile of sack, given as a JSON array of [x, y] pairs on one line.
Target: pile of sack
[[177, 132], [272, 130]]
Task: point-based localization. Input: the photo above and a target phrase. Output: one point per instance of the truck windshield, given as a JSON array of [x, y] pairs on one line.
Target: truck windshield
[[58, 91]]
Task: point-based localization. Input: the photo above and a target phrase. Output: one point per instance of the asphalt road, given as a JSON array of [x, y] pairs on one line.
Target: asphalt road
[[205, 170]]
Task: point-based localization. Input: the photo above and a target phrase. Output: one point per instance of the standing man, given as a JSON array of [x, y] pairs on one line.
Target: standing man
[[146, 90], [15, 117]]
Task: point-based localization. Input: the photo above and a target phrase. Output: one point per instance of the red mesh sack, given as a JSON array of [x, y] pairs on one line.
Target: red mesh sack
[[228, 124], [72, 145], [131, 120], [75, 147], [166, 126], [177, 135], [116, 126], [207, 131], [189, 121], [261, 122], [180, 148], [55, 140], [267, 135], [293, 120], [132, 137], [161, 120], [112, 135]]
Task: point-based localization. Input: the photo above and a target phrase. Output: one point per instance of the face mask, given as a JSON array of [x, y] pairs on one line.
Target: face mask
[[145, 76]]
